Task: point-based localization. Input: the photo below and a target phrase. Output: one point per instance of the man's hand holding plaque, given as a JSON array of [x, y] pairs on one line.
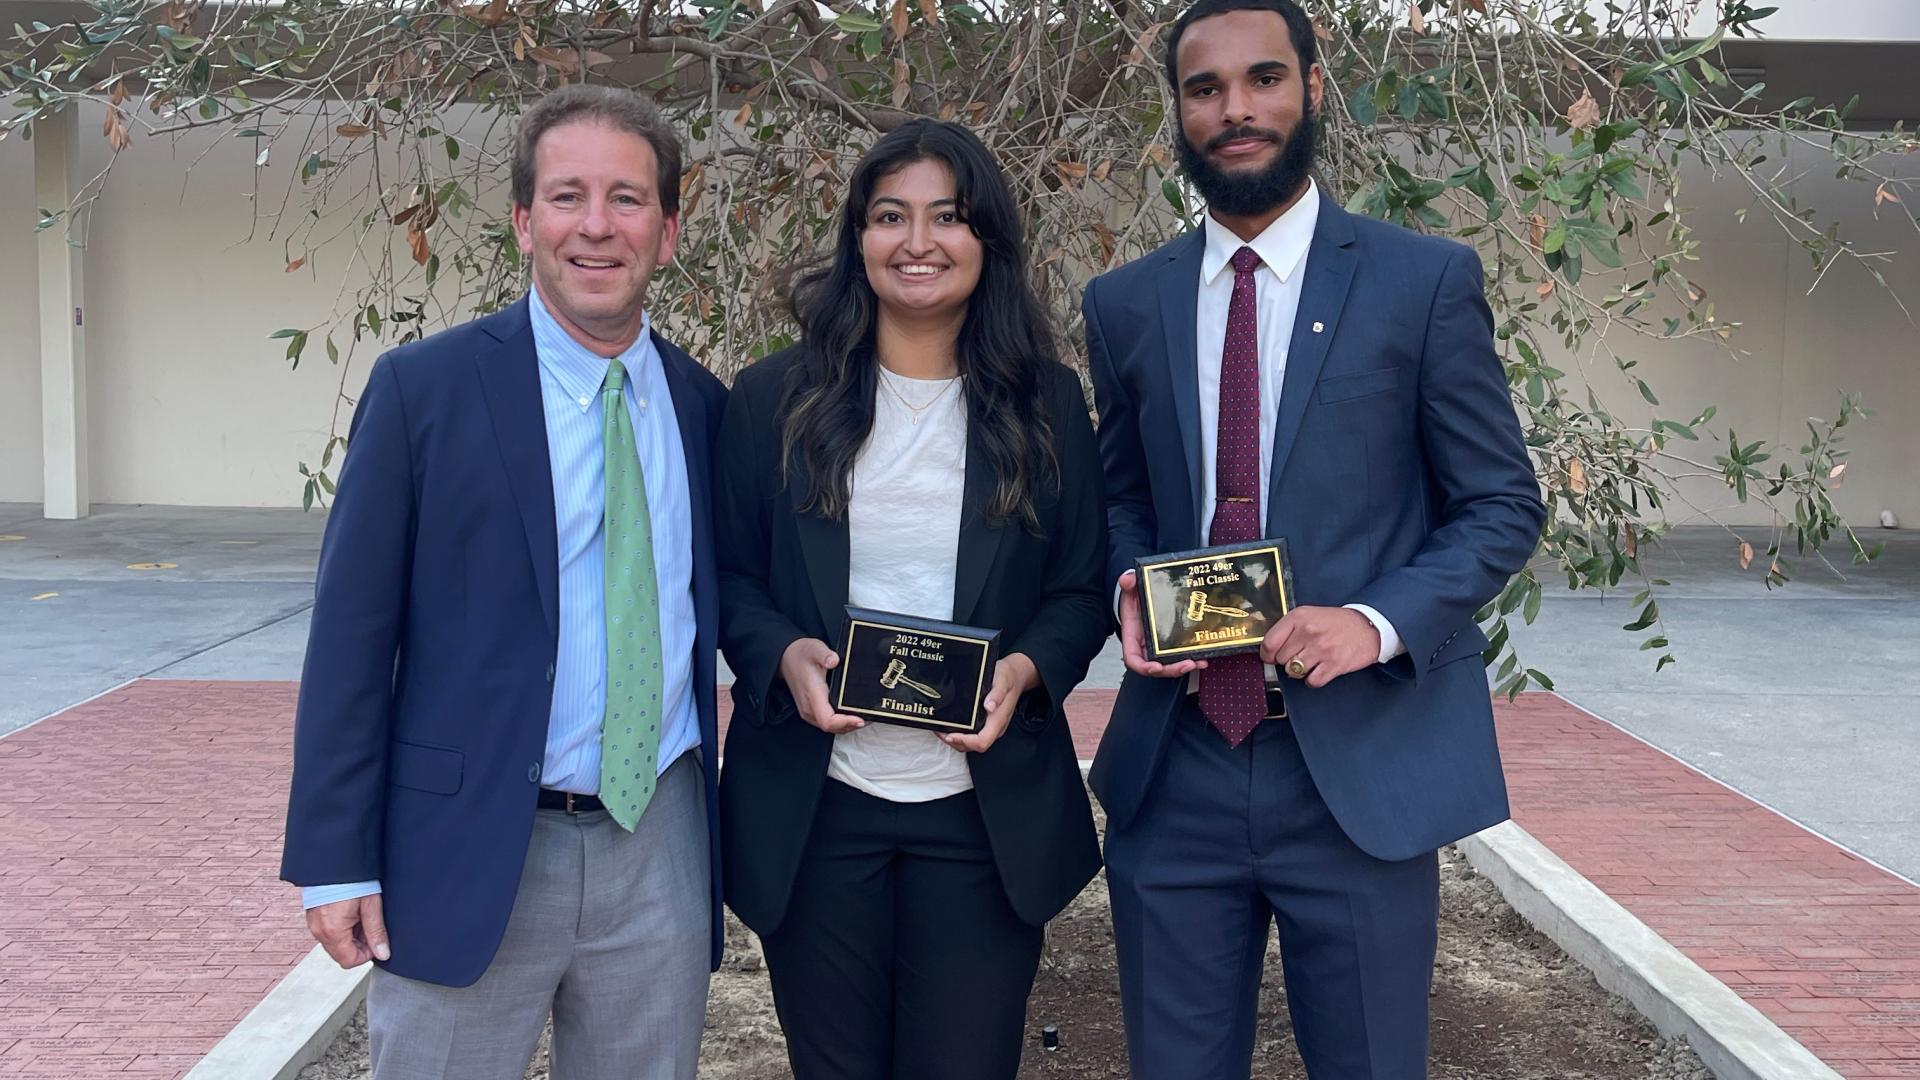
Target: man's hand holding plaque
[[1320, 644]]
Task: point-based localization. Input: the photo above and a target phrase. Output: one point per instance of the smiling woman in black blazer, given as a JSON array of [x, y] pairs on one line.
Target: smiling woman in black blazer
[[921, 451]]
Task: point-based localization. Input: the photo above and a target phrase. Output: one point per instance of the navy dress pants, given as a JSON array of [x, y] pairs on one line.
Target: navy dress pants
[[1232, 841]]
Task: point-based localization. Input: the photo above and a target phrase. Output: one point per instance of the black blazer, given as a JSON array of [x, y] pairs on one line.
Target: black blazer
[[783, 576]]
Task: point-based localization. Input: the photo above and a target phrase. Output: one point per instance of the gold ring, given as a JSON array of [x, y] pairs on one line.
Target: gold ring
[[1297, 668]]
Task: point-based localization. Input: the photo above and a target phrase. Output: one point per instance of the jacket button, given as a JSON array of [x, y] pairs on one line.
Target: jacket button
[[549, 672], [533, 773]]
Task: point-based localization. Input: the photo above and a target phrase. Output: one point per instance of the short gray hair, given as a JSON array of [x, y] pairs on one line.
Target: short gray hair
[[618, 108]]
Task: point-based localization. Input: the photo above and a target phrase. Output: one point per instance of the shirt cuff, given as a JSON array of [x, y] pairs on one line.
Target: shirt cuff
[[1390, 645], [313, 896]]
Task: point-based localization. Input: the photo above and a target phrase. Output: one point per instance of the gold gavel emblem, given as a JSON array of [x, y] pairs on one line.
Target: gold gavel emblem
[[896, 675], [1197, 606]]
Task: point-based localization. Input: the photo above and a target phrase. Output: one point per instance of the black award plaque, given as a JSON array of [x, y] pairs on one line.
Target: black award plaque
[[1213, 601], [923, 673]]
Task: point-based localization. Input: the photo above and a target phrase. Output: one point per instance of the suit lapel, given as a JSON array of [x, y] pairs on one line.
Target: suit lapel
[[1323, 298], [824, 547], [1179, 304], [510, 374], [690, 414], [980, 539]]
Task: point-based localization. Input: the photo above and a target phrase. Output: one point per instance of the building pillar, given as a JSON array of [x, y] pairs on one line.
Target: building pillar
[[63, 352]]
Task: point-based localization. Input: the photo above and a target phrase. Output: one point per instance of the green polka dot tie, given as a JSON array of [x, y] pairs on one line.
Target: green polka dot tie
[[630, 727]]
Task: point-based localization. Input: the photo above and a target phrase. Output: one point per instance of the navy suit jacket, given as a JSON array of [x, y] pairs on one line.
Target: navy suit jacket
[[422, 721], [1399, 480]]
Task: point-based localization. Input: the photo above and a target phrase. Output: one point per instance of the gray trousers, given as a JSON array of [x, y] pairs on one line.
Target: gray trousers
[[609, 934]]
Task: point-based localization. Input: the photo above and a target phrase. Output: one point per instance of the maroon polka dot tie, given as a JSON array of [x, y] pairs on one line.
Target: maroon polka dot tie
[[1233, 692]]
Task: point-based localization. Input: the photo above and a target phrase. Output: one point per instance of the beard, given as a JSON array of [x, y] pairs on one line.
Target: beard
[[1250, 192]]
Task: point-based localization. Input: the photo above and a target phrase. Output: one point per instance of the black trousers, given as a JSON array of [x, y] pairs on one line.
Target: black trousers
[[899, 957]]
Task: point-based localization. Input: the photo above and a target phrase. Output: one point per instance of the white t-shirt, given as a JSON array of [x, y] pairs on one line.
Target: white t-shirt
[[903, 531]]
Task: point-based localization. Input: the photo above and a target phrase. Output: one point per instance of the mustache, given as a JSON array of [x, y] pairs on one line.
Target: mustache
[[1236, 134]]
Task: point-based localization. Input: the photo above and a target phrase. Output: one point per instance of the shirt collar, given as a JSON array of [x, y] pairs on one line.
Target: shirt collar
[[1282, 246], [579, 370]]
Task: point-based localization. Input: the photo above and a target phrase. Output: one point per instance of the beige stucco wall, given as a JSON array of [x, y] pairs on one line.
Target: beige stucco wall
[[1800, 351], [192, 405], [20, 474]]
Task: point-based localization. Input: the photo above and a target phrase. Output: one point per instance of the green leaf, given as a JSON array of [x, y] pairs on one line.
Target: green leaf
[[1545, 683], [1648, 616], [1532, 609], [453, 149], [278, 334], [1360, 105], [856, 22]]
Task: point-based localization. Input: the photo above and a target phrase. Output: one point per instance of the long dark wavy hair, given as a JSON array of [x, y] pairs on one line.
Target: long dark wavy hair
[[1004, 347]]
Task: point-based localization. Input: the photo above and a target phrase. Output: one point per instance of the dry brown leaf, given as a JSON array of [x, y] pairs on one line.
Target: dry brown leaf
[[1070, 171], [1101, 171], [1884, 193], [296, 264], [1837, 471], [520, 46], [401, 217], [1416, 19], [595, 58], [561, 60], [1478, 5], [115, 129], [1019, 57], [817, 166], [820, 72], [899, 20], [745, 114], [1633, 544], [902, 82], [352, 131], [1143, 45], [704, 300], [1576, 477], [1320, 31], [949, 109], [1159, 156], [1538, 226], [976, 110], [690, 188], [1108, 242], [1544, 289], [119, 95], [1746, 554], [1584, 113], [417, 240], [930, 11]]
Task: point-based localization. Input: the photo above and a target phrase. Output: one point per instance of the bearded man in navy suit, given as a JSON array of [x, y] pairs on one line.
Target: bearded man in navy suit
[[1291, 370]]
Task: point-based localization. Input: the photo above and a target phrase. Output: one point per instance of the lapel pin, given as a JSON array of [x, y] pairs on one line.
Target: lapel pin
[[1319, 327]]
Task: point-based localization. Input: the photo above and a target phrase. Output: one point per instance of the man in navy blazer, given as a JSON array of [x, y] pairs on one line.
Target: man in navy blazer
[[476, 579], [1291, 370]]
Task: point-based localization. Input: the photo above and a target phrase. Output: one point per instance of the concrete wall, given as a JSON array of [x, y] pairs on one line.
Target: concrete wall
[[20, 471], [1801, 350], [192, 405]]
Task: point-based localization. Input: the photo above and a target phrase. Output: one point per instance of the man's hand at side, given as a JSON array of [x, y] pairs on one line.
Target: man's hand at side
[[352, 931]]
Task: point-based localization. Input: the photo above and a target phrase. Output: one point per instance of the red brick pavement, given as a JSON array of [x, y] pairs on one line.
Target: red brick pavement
[[140, 917], [1824, 943], [139, 843]]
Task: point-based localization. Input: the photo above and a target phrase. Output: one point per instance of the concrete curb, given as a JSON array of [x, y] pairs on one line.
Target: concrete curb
[[292, 1026], [1732, 1037]]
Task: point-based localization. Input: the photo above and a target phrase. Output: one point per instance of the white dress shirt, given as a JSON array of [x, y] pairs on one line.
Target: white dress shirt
[[1283, 248], [571, 376], [903, 548]]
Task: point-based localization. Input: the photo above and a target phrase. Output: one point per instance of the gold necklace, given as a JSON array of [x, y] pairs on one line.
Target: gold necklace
[[914, 411]]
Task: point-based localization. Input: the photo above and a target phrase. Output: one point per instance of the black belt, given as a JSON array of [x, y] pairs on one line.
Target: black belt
[[571, 802], [1276, 703]]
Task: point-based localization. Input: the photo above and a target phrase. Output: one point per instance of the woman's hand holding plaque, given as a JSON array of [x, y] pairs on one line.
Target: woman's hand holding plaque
[[1013, 676], [804, 668]]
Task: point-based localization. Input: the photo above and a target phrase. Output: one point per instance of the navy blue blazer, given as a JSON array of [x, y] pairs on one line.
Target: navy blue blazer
[[422, 720], [1399, 480]]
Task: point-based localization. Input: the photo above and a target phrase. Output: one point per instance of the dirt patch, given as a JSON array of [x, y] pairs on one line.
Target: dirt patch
[[1508, 1005]]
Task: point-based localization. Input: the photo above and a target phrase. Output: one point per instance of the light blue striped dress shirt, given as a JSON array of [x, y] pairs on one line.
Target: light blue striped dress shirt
[[570, 379]]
